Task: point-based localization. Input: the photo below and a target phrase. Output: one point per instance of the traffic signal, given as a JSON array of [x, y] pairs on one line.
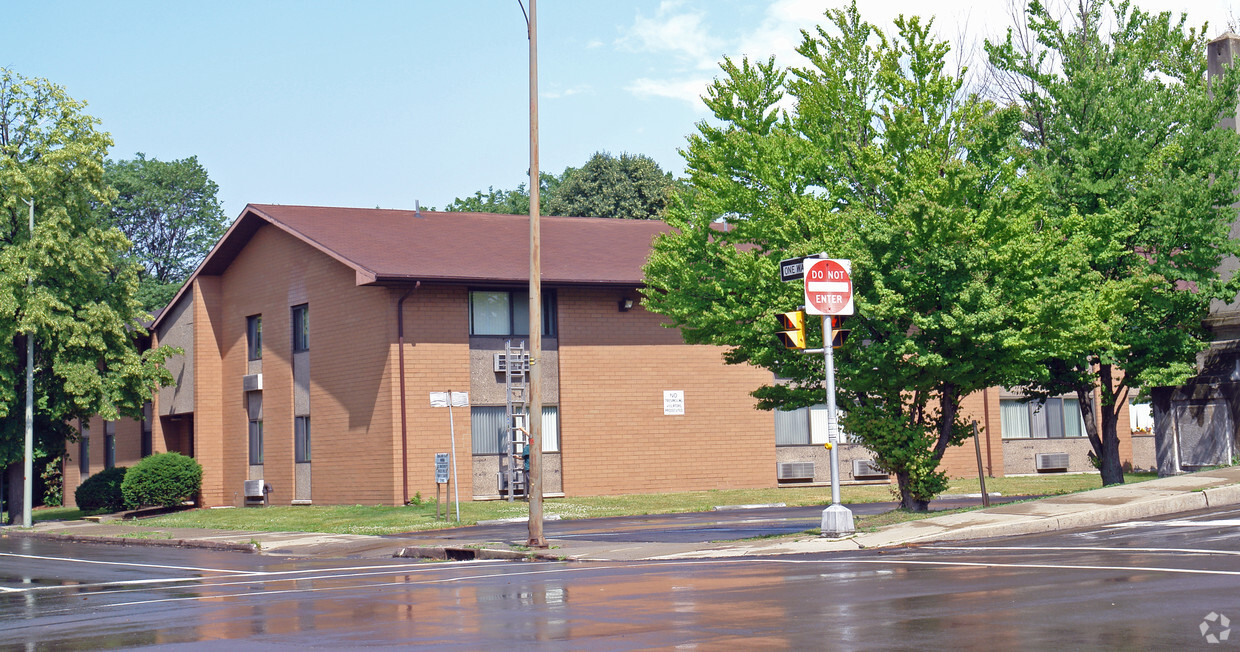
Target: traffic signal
[[838, 332], [793, 333]]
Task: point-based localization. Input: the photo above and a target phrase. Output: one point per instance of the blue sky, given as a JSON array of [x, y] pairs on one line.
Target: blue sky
[[378, 103]]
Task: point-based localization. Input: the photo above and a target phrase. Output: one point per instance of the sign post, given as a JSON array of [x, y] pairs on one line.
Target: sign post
[[441, 477], [828, 291], [450, 399]]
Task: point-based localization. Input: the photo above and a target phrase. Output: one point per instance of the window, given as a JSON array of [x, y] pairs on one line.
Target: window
[[301, 328], [503, 312], [146, 429], [84, 450], [809, 425], [256, 441], [1055, 418], [109, 444], [301, 439], [487, 423], [254, 336], [792, 427]]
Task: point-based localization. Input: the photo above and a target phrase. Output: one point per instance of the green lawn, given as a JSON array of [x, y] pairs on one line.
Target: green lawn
[[363, 519]]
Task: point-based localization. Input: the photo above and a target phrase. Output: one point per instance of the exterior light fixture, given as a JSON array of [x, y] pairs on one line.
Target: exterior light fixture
[[626, 305]]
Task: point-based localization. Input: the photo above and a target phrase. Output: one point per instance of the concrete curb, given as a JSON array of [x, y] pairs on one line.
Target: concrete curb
[[136, 541], [1152, 507], [461, 553]]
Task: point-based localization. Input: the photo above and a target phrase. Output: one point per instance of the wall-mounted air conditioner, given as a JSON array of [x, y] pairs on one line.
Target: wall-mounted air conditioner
[[1051, 461], [252, 383], [795, 471], [501, 362], [867, 469]]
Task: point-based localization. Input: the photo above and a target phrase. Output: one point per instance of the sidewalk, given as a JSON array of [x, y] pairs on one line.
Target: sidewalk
[[1148, 499]]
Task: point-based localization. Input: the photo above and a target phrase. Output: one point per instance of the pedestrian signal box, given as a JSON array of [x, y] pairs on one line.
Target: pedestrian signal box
[[792, 334]]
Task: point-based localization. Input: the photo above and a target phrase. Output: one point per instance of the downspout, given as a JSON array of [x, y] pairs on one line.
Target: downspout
[[404, 428]]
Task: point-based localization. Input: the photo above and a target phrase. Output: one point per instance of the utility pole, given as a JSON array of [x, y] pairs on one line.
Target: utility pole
[[28, 463], [534, 485]]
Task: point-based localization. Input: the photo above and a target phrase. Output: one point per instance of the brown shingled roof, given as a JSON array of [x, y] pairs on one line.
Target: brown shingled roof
[[392, 246]]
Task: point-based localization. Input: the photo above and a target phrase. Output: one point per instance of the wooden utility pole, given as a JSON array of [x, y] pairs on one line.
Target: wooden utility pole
[[534, 485]]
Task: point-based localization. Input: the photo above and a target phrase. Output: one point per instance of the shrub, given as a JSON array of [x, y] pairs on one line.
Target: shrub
[[163, 480], [53, 482], [102, 491]]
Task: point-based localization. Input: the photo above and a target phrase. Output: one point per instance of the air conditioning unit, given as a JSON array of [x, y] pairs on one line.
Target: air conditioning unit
[[252, 383], [795, 471], [1051, 461], [867, 469], [501, 362]]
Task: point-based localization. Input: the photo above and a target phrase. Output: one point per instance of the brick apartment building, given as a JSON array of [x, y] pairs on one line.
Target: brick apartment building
[[292, 367]]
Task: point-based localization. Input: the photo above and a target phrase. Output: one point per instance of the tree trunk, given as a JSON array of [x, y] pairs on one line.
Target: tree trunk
[[907, 500], [1103, 438], [1111, 469]]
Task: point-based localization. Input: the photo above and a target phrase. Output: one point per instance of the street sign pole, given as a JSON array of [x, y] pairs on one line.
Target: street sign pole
[[833, 429], [828, 292]]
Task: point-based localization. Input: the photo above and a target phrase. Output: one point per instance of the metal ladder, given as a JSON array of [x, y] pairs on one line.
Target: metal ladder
[[517, 413]]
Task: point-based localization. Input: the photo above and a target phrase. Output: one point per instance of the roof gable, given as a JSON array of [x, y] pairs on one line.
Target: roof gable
[[393, 246]]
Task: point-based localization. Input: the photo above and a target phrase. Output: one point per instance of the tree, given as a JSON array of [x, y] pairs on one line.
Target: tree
[[632, 186], [80, 304], [628, 187], [881, 160], [1141, 183], [170, 213]]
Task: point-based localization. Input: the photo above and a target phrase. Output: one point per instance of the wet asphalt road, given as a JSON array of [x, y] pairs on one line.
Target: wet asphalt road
[[698, 527], [1142, 585]]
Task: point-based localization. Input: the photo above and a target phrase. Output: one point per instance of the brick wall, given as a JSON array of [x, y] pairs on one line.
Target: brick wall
[[436, 360], [128, 452], [351, 332], [615, 438]]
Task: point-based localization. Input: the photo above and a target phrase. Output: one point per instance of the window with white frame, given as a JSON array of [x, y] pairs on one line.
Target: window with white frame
[[1054, 418], [487, 424]]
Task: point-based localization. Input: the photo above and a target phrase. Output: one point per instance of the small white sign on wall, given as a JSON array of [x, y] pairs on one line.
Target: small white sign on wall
[[673, 402]]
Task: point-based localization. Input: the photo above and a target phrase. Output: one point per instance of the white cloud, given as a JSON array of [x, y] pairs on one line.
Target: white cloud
[[557, 93], [677, 30], [779, 33], [688, 90], [682, 31]]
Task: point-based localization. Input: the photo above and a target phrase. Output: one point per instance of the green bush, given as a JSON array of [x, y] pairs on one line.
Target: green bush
[[162, 480], [102, 491]]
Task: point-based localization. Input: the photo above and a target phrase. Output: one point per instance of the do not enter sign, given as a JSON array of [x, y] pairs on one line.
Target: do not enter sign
[[828, 287]]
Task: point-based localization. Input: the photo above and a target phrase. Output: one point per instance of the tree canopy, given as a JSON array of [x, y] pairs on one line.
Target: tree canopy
[[631, 186], [881, 159], [80, 303], [1119, 118], [169, 211]]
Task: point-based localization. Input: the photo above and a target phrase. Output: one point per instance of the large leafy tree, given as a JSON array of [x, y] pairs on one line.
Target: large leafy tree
[[631, 186], [883, 160], [169, 211], [1120, 118], [69, 283]]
